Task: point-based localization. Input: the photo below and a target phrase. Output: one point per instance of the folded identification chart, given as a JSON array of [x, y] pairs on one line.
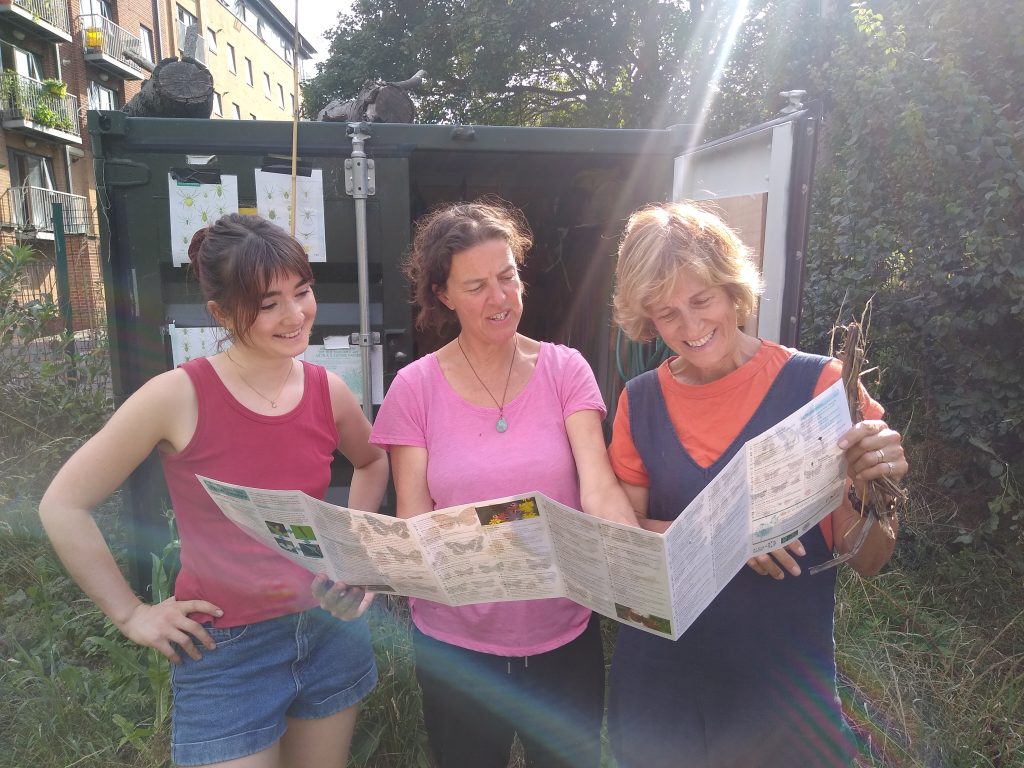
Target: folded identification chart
[[525, 547]]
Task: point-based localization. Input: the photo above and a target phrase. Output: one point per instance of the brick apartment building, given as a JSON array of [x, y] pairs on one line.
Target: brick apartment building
[[59, 58]]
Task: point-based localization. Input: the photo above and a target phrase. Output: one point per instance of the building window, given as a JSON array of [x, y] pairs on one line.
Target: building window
[[146, 43], [266, 85], [280, 96], [96, 8], [248, 70], [237, 111], [231, 59], [25, 63], [217, 110], [184, 21], [101, 97], [28, 170], [186, 18], [211, 40]]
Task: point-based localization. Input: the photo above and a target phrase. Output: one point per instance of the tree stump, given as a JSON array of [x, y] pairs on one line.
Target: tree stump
[[376, 102], [177, 88]]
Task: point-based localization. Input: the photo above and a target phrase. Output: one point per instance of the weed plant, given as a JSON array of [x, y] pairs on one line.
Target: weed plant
[[52, 396]]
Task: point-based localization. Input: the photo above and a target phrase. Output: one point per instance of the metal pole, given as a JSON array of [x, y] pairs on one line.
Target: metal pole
[[63, 278], [359, 191], [295, 120]]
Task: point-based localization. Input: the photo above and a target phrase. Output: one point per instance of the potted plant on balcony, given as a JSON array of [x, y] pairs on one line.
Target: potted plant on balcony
[[55, 88], [49, 118], [10, 89]]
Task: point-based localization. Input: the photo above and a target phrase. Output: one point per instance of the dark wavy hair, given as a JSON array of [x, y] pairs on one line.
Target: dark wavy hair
[[236, 258], [450, 229]]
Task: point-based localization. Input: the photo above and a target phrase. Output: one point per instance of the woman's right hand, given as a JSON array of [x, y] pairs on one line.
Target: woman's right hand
[[158, 626], [340, 600]]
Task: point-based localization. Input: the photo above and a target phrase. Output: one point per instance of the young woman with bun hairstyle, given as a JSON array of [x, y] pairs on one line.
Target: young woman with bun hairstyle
[[261, 676]]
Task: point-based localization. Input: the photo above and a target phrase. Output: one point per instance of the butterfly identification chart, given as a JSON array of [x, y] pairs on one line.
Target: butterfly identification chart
[[780, 484]]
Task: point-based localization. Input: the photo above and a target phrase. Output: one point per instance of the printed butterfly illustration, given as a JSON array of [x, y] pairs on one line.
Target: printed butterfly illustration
[[447, 521], [473, 545], [403, 557], [397, 528]]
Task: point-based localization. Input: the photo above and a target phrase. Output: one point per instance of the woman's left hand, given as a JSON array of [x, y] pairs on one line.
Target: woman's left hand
[[340, 600], [873, 451]]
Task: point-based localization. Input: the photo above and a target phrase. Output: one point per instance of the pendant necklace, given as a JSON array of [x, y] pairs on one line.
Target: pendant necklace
[[501, 425], [273, 400]]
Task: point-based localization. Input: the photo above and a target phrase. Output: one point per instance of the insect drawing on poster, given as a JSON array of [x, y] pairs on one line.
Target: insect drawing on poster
[[195, 202], [275, 202]]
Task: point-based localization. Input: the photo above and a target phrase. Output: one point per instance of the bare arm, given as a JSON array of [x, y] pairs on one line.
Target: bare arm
[[638, 496], [370, 463], [873, 451], [157, 413], [600, 492], [410, 466]]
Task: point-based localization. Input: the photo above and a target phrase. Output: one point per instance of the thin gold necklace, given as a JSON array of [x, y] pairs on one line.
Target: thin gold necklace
[[501, 425], [274, 399]]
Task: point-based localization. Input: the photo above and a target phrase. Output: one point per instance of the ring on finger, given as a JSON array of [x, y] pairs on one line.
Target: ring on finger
[[889, 464], [881, 454]]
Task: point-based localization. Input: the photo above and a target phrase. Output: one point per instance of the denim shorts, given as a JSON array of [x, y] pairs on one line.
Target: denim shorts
[[233, 702]]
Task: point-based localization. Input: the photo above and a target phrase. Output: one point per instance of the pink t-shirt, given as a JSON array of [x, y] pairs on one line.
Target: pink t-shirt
[[468, 460]]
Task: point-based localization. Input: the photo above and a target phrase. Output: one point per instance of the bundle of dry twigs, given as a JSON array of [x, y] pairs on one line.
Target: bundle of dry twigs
[[882, 496]]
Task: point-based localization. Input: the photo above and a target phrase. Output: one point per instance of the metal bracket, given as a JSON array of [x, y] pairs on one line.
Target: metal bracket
[[360, 177], [364, 339]]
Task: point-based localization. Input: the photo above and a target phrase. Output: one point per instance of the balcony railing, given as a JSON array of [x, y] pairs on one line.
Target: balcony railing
[[181, 29], [30, 209], [30, 105], [50, 19], [105, 44]]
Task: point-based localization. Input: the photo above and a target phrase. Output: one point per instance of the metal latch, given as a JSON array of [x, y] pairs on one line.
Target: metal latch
[[360, 177], [364, 339]]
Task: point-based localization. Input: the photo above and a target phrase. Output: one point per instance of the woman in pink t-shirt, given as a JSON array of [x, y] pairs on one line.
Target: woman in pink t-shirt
[[495, 413]]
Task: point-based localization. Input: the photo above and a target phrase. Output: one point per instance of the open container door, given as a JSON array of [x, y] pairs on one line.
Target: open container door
[[760, 181]]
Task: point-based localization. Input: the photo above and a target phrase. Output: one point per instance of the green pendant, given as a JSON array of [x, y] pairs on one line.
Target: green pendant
[[502, 425]]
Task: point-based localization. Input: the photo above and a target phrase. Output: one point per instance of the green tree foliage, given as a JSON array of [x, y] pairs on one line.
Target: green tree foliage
[[618, 63], [920, 200]]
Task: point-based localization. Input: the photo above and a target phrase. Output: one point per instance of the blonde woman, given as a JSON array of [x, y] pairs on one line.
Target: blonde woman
[[752, 682]]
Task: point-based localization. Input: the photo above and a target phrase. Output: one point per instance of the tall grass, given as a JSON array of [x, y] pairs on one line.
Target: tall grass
[[931, 659], [931, 653]]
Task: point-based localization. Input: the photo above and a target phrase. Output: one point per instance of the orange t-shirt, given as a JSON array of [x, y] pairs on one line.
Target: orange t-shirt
[[708, 417]]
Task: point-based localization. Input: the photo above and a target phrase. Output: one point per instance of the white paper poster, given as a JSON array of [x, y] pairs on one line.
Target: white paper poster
[[346, 362], [190, 343], [274, 202], [339, 358], [193, 205]]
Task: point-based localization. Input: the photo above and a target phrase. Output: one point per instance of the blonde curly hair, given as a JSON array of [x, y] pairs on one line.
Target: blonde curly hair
[[663, 240]]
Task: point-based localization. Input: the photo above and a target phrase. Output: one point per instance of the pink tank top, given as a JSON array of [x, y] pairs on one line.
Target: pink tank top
[[293, 451]]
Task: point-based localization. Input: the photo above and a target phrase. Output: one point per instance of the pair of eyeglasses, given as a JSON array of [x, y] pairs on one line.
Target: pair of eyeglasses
[[862, 536], [871, 517]]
